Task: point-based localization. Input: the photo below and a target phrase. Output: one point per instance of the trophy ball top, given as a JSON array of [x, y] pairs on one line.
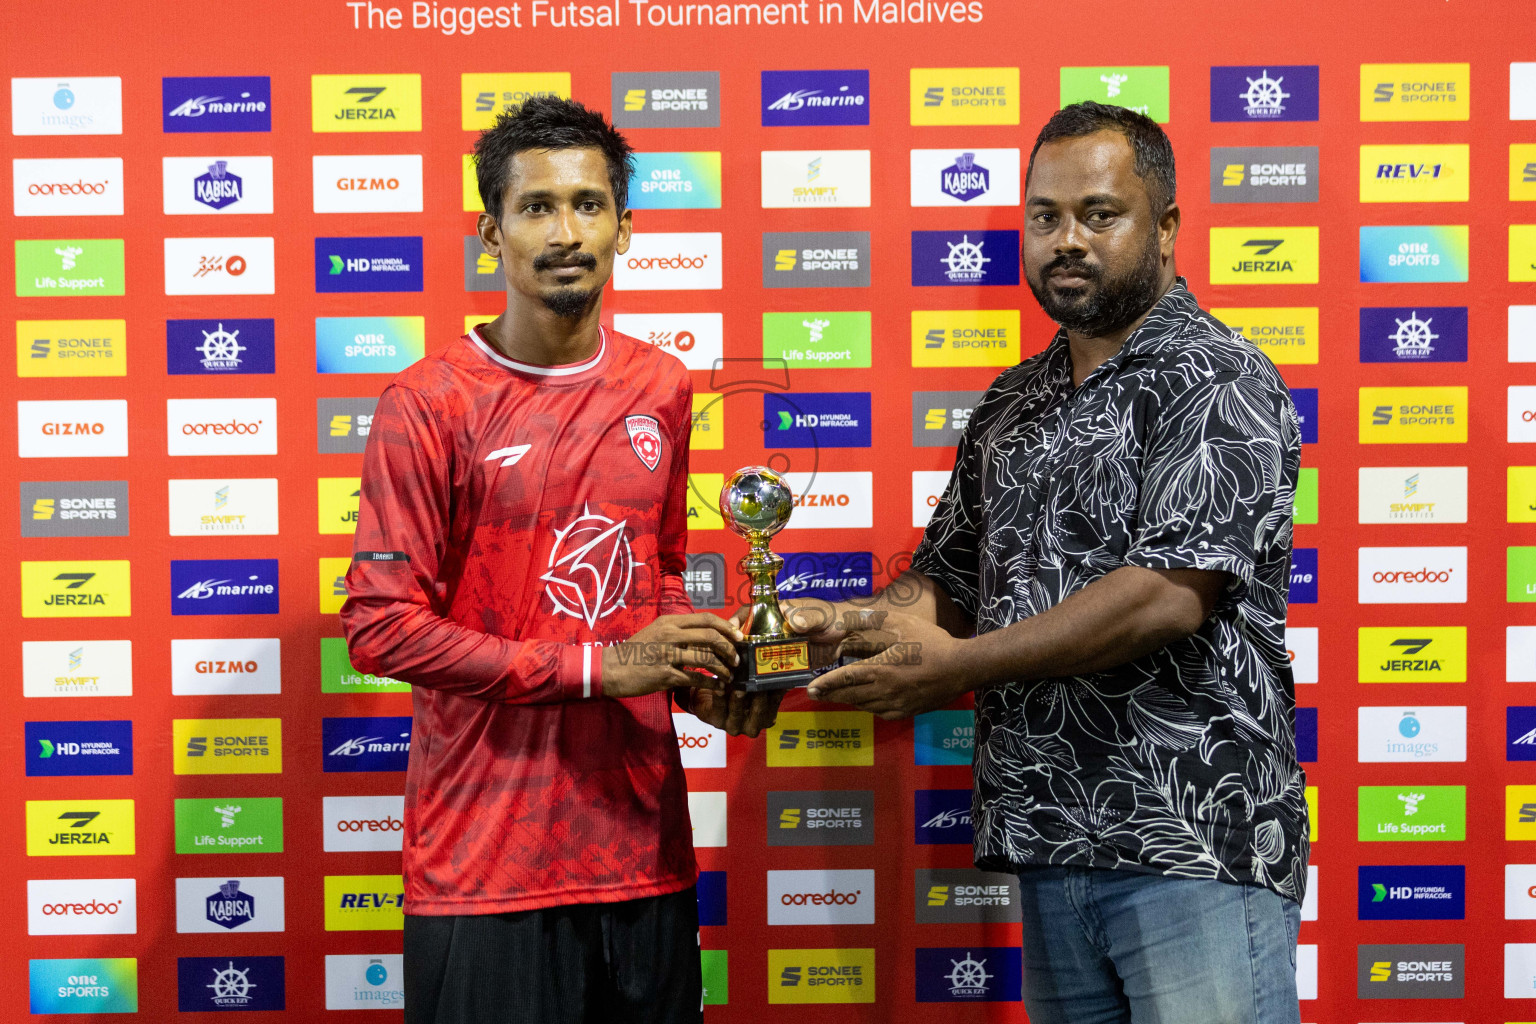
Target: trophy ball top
[[756, 501]]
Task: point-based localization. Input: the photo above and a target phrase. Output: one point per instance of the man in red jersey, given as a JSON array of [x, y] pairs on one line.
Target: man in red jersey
[[519, 557]]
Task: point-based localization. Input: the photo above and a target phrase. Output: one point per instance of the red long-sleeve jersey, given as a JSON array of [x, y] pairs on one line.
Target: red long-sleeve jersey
[[512, 517]]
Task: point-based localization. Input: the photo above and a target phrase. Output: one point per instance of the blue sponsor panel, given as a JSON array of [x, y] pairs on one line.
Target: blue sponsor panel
[[95, 985], [215, 983], [965, 257], [829, 575], [220, 104], [1305, 401], [711, 894], [1413, 334], [1413, 892], [372, 744], [383, 264], [970, 974], [368, 344], [827, 419], [943, 737], [673, 181], [942, 816], [220, 346], [1303, 588], [79, 748], [815, 97], [224, 586], [1519, 734], [1271, 92], [1306, 735]]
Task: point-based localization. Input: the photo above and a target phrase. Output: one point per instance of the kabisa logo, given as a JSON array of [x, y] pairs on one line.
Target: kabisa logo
[[832, 419], [75, 589], [1413, 254], [1520, 733], [821, 818], [1268, 255], [1263, 174], [67, 106], [227, 746], [943, 737], [963, 96], [231, 825], [1427, 334], [364, 982], [939, 418], [79, 828], [375, 744], [368, 344], [386, 264], [82, 906], [670, 261], [821, 738], [219, 266], [1410, 972], [675, 181], [364, 903], [218, 905], [832, 576], [342, 424], [590, 567], [87, 508], [1413, 575], [390, 183], [79, 187], [363, 822], [71, 348], [965, 258], [1415, 174], [1412, 734], [965, 337], [666, 99], [942, 816], [217, 184], [1415, 92], [815, 97], [217, 188], [818, 339], [243, 586], [1419, 415], [51, 267], [220, 346], [69, 668], [229, 983], [365, 103], [483, 96], [229, 907], [821, 897], [1412, 893], [821, 976], [1142, 89], [79, 748], [109, 985], [991, 974], [972, 177], [226, 666], [1269, 93], [1418, 654], [223, 104], [1412, 813]]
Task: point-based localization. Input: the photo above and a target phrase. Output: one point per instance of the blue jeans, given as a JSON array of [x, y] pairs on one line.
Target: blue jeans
[[1116, 946]]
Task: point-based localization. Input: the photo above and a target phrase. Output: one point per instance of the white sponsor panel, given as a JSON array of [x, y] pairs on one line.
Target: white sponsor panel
[[1413, 576], [216, 184], [1520, 970], [77, 668], [227, 665], [1306, 972], [1522, 334], [1301, 648], [1309, 905], [219, 266], [707, 811], [822, 896], [796, 178], [221, 426], [67, 106], [1413, 494], [1521, 414], [363, 822], [72, 429], [368, 184], [1522, 91], [669, 261], [365, 982], [82, 906], [830, 501], [226, 913], [1411, 733], [927, 488], [698, 339], [1520, 654], [222, 506], [700, 744], [1520, 892], [73, 187], [965, 177]]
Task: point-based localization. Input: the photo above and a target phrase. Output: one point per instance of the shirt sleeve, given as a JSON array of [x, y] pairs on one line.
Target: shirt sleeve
[[672, 545], [393, 616], [1218, 478], [950, 551]]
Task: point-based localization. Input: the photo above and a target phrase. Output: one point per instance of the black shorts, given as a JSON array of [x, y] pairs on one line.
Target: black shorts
[[636, 961]]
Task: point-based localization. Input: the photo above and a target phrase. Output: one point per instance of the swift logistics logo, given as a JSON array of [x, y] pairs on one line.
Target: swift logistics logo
[[1263, 174], [939, 96], [1412, 813], [817, 339], [69, 668], [821, 897], [965, 258], [1413, 494], [1419, 334], [1410, 972], [965, 896], [974, 974], [94, 985], [1286, 334], [965, 337], [193, 185], [820, 738], [821, 818], [372, 744], [1142, 89], [224, 586], [800, 178], [1264, 255], [223, 506], [82, 906], [1422, 415], [670, 261], [220, 266], [337, 674], [1274, 92], [55, 749], [1402, 892], [368, 344], [224, 346], [1412, 654], [250, 824], [385, 183], [973, 177], [74, 589], [342, 424], [665, 99], [226, 666], [816, 259], [482, 97], [1415, 174], [218, 104], [676, 181], [941, 816], [76, 508], [365, 103], [49, 267], [939, 418], [227, 746], [1419, 575], [1413, 254], [821, 976], [67, 187], [1415, 92], [364, 982], [79, 828], [67, 106], [1411, 734], [792, 98], [831, 575], [828, 419], [207, 983], [218, 905], [380, 264], [357, 903]]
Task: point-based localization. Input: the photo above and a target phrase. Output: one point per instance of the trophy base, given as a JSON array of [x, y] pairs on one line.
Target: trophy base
[[773, 665]]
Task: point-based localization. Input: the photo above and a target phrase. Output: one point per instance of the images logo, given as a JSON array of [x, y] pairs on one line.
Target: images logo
[[357, 903], [1272, 93], [1436, 415], [677, 181], [815, 97], [670, 261], [379, 744], [809, 340], [219, 266], [342, 424], [367, 184], [1388, 734], [226, 666], [821, 976], [965, 337], [979, 177], [79, 748], [1415, 92], [67, 106], [666, 99], [234, 586], [368, 344], [229, 983], [1142, 89], [1412, 813], [364, 982], [227, 746], [810, 738], [1264, 255], [69, 266], [1431, 334], [219, 905], [1410, 972], [964, 96], [985, 974], [391, 264], [82, 906], [363, 822], [796, 178], [68, 590], [483, 96], [832, 575], [244, 825], [222, 104], [1413, 254], [68, 668], [79, 828], [817, 420], [84, 986], [821, 818], [816, 259], [821, 897], [1263, 174], [965, 258], [90, 187], [87, 508], [365, 103], [1413, 654]]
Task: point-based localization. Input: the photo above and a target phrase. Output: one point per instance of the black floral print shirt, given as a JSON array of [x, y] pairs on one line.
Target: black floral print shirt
[[1180, 452]]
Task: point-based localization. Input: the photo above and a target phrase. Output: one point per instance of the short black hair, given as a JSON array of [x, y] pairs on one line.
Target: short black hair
[[1149, 144], [548, 122]]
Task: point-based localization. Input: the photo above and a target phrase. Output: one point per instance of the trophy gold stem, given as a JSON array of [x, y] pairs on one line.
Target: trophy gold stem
[[761, 566]]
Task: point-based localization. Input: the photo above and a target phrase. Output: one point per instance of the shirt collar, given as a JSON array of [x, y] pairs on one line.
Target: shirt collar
[[1164, 320]]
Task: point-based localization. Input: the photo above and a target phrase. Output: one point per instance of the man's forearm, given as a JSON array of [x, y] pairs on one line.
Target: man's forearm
[[918, 595]]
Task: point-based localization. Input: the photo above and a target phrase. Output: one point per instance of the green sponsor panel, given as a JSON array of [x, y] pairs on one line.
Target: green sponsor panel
[[1142, 89], [716, 982], [233, 825], [816, 340], [1306, 498], [1520, 574], [69, 266], [1412, 813], [338, 676]]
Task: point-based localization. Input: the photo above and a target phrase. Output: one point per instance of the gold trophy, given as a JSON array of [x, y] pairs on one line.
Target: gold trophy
[[756, 503]]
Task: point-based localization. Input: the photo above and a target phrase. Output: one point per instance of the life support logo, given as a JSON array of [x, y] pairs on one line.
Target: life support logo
[[229, 825], [821, 897], [591, 567], [1412, 813]]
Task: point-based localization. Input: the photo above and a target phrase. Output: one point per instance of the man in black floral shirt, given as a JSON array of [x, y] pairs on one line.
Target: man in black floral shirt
[[1107, 569]]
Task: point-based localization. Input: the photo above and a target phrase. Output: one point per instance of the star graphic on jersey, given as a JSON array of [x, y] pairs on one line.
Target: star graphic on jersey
[[590, 567]]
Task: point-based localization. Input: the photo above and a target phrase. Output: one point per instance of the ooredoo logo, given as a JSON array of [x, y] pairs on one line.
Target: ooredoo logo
[[700, 745], [1413, 575], [363, 822], [82, 906], [821, 897], [670, 261], [222, 426], [67, 188]]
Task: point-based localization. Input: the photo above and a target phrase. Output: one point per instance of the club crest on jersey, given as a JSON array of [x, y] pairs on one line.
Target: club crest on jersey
[[645, 439], [590, 566]]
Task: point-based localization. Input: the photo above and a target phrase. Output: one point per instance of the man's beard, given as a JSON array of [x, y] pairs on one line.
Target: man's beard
[[570, 302], [1101, 307]]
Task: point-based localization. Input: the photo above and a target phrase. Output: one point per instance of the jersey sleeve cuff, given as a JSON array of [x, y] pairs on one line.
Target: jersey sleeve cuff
[[580, 673]]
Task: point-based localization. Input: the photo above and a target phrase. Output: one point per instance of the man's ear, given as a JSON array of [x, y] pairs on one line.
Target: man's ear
[[1168, 230], [626, 225], [490, 235]]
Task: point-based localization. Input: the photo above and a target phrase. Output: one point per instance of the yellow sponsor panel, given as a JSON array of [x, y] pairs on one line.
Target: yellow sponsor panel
[[474, 320], [801, 738], [71, 348], [1522, 171], [1264, 255], [365, 103], [75, 590], [339, 500], [472, 203], [483, 96], [333, 584], [364, 903], [1520, 494], [1413, 415], [1311, 813], [227, 746], [965, 337], [1413, 654], [1286, 334], [821, 976], [1415, 92], [1520, 812], [1522, 252], [708, 431], [1415, 174], [704, 501], [964, 95], [79, 828]]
